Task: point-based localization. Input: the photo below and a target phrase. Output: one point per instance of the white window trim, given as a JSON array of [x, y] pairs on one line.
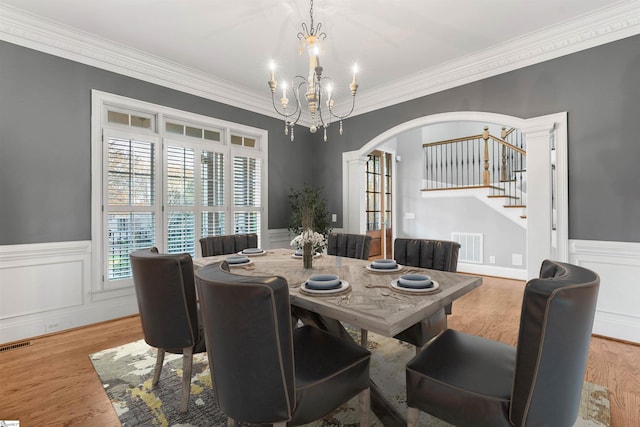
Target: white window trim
[[99, 100]]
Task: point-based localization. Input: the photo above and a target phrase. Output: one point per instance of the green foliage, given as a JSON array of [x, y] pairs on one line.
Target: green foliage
[[308, 205]]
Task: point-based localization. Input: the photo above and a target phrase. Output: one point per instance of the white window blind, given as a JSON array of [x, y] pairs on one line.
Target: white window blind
[[247, 183], [131, 209], [180, 199], [213, 197]]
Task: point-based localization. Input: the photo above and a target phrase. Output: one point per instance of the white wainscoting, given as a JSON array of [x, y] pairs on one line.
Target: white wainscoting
[[281, 238], [45, 287], [618, 264]]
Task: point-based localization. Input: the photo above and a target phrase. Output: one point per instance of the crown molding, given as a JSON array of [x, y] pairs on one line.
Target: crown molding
[[46, 36], [615, 22]]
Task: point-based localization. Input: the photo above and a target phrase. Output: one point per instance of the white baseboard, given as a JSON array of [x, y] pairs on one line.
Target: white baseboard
[[618, 264], [492, 270]]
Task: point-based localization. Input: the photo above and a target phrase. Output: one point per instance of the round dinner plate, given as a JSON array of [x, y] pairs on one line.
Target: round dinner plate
[[344, 285], [239, 264], [252, 253], [384, 263], [434, 288], [316, 255], [385, 270], [416, 281]]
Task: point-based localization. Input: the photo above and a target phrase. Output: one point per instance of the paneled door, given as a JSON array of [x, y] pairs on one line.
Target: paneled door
[[378, 209]]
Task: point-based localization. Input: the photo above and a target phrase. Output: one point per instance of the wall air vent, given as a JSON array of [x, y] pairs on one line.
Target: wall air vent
[[14, 346], [470, 247]]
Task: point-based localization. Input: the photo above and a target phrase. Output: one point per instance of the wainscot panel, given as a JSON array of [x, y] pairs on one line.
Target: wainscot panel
[[618, 264], [46, 287]]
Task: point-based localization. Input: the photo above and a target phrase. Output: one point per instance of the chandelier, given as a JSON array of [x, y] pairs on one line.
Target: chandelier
[[310, 87]]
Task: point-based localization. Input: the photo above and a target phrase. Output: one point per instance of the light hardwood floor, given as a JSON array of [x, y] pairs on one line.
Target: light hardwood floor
[[52, 382]]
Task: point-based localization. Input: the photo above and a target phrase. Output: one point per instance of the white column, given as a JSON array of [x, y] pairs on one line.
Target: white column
[[353, 192]]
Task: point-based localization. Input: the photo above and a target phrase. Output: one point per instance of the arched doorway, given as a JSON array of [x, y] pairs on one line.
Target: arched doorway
[[547, 208]]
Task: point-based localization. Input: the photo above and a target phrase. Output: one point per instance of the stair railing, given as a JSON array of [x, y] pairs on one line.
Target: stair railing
[[479, 161]]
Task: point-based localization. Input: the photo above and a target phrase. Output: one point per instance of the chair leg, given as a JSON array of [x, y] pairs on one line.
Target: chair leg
[[364, 335], [365, 406], [412, 417], [158, 369], [187, 363]]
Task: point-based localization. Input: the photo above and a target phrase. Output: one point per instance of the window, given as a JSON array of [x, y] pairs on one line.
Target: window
[[166, 178], [131, 210], [246, 193]]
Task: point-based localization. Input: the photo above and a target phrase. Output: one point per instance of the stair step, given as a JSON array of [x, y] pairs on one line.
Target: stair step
[[515, 206], [502, 196]]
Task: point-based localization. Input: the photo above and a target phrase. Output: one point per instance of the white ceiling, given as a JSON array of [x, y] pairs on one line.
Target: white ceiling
[[394, 42]]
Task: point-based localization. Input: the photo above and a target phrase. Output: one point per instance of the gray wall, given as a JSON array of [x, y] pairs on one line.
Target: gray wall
[[45, 172], [45, 144], [600, 90]]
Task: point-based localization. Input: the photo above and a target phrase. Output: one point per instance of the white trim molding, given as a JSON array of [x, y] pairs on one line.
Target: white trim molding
[[618, 264], [615, 22]]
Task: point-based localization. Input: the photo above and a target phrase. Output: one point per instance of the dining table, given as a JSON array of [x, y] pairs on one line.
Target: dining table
[[367, 298]]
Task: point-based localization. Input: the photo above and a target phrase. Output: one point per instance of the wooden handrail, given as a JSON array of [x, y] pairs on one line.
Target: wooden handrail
[[464, 163], [510, 146]]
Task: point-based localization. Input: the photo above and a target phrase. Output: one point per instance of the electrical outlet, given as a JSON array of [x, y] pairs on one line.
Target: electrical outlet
[[492, 260], [334, 218], [52, 326]]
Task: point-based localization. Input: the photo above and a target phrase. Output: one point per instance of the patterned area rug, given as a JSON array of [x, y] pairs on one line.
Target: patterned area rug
[[126, 374]]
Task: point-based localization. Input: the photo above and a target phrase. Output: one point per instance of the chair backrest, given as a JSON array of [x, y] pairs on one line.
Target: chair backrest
[[433, 254], [349, 245], [227, 244], [553, 344], [249, 340], [166, 294]]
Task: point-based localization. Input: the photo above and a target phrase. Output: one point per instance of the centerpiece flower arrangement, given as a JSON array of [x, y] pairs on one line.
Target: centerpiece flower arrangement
[[309, 222], [310, 242]]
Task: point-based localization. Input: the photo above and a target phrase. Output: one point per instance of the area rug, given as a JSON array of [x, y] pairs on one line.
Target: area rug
[[126, 373]]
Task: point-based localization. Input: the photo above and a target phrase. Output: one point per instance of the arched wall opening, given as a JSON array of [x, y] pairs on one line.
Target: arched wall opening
[[547, 205]]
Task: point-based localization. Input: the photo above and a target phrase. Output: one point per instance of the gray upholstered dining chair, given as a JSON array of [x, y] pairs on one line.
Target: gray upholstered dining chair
[[227, 244], [435, 255], [263, 370], [166, 294], [468, 380], [349, 245]]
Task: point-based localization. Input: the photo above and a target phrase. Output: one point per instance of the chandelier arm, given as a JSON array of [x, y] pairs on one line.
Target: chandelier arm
[[323, 120], [296, 96], [344, 116], [275, 107]]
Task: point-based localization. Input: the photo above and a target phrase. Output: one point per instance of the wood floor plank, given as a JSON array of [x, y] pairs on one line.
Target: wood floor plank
[[53, 383]]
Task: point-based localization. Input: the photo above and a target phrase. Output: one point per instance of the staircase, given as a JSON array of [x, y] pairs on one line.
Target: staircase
[[492, 168]]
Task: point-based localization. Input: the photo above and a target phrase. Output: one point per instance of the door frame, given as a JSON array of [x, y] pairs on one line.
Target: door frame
[[553, 244]]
